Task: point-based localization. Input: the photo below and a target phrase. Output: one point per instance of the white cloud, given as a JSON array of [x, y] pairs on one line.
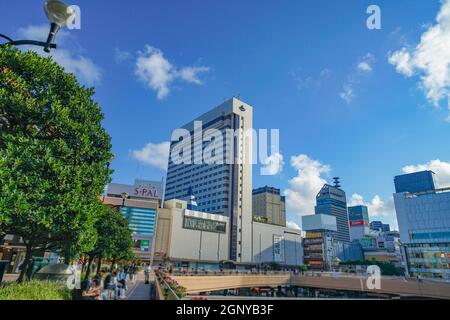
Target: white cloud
[[156, 155], [325, 73], [158, 73], [190, 74], [402, 61], [365, 64], [441, 168], [121, 56], [84, 68], [301, 196], [377, 207], [347, 93], [292, 225], [430, 59], [155, 70], [81, 66], [273, 165]]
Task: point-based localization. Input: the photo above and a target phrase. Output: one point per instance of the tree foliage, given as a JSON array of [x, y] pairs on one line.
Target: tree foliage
[[115, 240], [54, 154]]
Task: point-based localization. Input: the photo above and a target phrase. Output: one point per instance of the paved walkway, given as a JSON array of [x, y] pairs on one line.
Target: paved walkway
[[140, 290]]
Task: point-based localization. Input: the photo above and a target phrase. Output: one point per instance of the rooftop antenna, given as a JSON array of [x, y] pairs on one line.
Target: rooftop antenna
[[337, 183]]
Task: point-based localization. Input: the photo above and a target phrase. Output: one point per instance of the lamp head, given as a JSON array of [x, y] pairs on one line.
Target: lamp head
[[58, 12]]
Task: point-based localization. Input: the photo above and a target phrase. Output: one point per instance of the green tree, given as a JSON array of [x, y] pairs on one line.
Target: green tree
[[115, 240], [54, 154]]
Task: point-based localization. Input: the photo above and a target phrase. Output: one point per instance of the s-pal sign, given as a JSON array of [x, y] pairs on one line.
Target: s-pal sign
[[140, 189]]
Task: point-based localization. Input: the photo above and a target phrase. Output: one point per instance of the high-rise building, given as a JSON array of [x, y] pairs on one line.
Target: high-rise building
[[379, 226], [358, 217], [415, 182], [222, 184], [270, 205], [424, 223], [332, 200]]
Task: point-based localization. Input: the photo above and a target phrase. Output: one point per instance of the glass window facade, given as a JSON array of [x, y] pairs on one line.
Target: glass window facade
[[415, 182], [140, 220], [431, 260], [332, 201], [424, 224]]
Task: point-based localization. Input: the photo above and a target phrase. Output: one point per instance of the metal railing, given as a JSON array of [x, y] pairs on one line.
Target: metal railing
[[162, 285], [226, 273]]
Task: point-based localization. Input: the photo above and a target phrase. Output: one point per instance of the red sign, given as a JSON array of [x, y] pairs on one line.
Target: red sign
[[356, 223]]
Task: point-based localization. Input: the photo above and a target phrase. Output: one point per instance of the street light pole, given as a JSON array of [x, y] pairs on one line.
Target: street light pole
[[58, 14]]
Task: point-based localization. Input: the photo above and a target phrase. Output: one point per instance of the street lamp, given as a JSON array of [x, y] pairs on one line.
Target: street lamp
[[124, 196], [58, 14]]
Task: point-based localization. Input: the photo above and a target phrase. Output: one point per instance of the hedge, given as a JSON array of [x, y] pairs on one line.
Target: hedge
[[35, 290]]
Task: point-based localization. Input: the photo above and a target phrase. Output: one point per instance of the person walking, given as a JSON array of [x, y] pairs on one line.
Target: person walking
[[122, 284], [147, 270]]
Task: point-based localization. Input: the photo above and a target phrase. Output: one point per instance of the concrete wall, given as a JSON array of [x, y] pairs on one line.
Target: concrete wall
[[263, 244], [178, 243], [196, 245]]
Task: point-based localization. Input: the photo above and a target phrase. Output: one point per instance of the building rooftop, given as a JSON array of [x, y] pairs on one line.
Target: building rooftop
[[266, 189]]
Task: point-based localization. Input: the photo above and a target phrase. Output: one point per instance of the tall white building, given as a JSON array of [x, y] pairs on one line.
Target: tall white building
[[423, 216], [217, 169]]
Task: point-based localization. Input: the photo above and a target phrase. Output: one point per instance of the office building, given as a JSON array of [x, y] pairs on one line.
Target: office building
[[270, 205], [276, 245], [222, 186], [318, 252], [379, 226], [358, 217], [332, 200], [189, 239], [139, 204], [382, 246], [423, 216], [415, 182], [321, 249]]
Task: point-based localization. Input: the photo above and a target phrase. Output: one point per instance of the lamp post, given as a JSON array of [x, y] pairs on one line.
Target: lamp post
[[58, 14], [124, 196]]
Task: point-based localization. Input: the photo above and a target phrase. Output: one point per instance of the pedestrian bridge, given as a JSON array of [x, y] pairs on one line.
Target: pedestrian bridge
[[389, 285]]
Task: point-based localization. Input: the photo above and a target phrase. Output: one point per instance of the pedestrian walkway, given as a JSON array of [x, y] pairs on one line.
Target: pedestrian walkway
[[140, 290]]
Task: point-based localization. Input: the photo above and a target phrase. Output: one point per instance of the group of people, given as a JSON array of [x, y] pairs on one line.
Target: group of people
[[111, 286]]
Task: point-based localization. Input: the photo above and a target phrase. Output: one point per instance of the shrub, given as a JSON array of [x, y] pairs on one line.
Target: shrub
[[35, 290]]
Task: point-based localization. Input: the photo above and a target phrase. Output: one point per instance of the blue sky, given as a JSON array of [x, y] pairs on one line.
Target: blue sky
[[357, 103]]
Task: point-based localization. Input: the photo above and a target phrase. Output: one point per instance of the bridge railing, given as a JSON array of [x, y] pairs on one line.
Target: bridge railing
[[226, 273], [163, 290]]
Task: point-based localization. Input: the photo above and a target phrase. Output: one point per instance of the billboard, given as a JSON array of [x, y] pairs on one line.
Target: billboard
[[356, 223], [145, 189], [278, 248], [358, 213], [355, 215]]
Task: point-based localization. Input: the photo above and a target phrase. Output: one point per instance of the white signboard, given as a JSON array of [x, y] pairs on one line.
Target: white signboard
[[141, 189]]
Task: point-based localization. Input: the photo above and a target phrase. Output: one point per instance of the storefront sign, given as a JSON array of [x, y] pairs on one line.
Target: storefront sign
[[204, 225], [141, 189]]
